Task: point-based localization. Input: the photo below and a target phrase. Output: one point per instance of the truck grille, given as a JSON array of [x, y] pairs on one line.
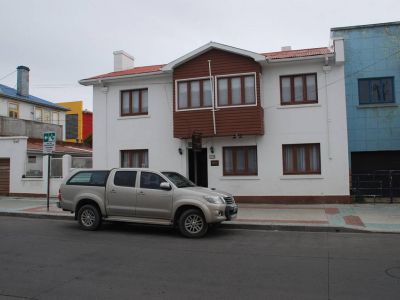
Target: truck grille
[[229, 200]]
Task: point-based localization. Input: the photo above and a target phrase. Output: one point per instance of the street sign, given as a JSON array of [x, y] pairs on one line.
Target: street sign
[[49, 142]]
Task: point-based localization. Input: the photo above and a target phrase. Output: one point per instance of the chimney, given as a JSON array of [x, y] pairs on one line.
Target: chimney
[[123, 61], [23, 81], [286, 48]]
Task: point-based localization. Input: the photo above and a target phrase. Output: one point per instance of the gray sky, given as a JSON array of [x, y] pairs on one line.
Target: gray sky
[[64, 41]]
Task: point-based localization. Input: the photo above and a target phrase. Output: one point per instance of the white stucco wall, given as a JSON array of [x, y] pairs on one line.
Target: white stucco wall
[[323, 123], [293, 124], [15, 148], [112, 133]]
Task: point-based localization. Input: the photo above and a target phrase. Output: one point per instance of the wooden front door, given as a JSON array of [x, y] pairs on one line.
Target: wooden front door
[[4, 176]]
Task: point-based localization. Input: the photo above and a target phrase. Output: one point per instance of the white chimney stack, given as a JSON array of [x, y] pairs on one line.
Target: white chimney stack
[[23, 81], [286, 48], [123, 61]]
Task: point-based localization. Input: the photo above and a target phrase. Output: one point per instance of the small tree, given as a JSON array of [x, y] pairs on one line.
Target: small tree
[[88, 141]]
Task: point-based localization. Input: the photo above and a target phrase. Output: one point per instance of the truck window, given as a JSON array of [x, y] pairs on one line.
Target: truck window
[[92, 178], [150, 180], [125, 178]]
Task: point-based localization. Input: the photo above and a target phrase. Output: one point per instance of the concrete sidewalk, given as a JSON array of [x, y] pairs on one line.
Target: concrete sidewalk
[[323, 217]]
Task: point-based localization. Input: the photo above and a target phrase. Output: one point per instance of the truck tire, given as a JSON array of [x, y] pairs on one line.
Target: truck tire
[[192, 224], [89, 217]]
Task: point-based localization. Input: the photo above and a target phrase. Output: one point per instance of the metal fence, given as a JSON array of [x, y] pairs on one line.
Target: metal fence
[[56, 167], [81, 162], [380, 186]]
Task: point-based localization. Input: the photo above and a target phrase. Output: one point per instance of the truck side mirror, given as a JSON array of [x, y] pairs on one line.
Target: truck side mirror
[[165, 186]]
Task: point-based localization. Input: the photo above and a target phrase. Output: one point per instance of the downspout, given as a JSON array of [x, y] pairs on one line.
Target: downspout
[[212, 97], [326, 68], [104, 89]]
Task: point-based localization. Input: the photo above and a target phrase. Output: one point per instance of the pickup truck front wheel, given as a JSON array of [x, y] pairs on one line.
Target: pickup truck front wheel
[[192, 224], [89, 217]]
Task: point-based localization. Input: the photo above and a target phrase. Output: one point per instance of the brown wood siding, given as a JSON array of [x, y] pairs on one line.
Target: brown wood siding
[[4, 176], [247, 120]]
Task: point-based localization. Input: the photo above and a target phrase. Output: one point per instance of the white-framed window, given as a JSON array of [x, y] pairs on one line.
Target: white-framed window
[[13, 110], [236, 90], [38, 114], [193, 93], [55, 118], [46, 116]]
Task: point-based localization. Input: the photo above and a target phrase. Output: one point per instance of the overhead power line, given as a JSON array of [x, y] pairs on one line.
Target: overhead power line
[[9, 74]]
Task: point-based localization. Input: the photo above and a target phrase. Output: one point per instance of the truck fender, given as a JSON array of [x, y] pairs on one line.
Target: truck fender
[[91, 197], [194, 203]]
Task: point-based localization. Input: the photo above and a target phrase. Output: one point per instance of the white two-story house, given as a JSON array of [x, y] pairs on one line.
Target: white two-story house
[[272, 125]]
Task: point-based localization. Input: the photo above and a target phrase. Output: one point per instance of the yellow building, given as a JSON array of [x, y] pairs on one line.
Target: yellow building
[[73, 121]]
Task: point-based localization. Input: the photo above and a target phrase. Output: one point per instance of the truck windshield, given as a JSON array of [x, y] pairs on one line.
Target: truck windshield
[[179, 180]]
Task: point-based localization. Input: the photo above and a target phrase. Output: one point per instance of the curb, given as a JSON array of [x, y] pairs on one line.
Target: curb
[[36, 215], [272, 227], [268, 227], [227, 225]]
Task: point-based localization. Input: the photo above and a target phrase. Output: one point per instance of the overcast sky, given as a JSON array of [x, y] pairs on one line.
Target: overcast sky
[[64, 41]]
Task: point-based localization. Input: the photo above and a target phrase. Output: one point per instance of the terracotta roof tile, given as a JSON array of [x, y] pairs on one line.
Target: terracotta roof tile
[[136, 70], [270, 55], [297, 53], [61, 148]]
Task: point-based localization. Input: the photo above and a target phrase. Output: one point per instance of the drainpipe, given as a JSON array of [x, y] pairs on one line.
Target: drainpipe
[[104, 89], [212, 97], [327, 68]]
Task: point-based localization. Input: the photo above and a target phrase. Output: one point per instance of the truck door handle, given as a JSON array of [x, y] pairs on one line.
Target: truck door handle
[[113, 191], [141, 193]]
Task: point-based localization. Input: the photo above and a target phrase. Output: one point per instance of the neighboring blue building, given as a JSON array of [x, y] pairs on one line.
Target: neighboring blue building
[[372, 80]]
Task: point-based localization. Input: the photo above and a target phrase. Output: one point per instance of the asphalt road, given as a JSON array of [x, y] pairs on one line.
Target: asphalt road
[[53, 259]]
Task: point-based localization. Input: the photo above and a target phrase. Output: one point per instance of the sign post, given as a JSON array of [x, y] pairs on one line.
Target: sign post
[[49, 146]]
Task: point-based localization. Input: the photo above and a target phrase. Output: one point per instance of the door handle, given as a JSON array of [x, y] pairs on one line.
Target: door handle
[[141, 193], [113, 191]]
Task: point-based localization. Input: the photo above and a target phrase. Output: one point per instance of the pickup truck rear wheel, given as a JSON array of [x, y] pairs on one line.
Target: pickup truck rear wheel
[[89, 217], [192, 224]]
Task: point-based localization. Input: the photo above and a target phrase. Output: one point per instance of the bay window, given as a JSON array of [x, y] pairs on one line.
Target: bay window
[[236, 90], [194, 94]]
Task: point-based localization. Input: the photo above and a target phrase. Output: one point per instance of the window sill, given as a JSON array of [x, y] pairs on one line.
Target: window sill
[[299, 105], [377, 105], [193, 109], [250, 177], [32, 179], [301, 177], [133, 117]]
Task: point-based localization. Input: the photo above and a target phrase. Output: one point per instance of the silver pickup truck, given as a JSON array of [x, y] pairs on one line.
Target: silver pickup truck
[[144, 196]]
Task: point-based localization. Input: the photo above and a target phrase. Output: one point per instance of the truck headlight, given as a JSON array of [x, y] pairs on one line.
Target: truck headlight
[[214, 199]]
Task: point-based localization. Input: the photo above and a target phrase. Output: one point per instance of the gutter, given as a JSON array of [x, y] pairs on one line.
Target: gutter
[[35, 103], [316, 57], [94, 81]]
